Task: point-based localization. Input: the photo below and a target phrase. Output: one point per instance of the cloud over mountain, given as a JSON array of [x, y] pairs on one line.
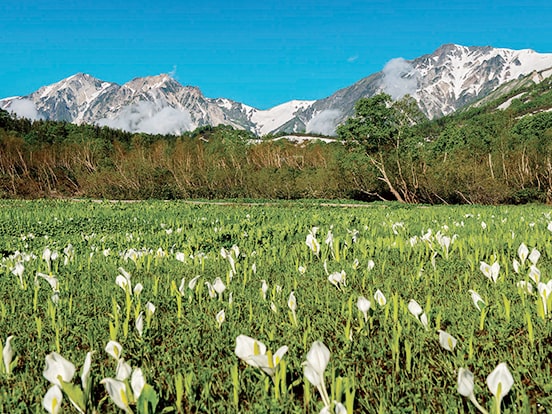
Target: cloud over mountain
[[324, 122], [150, 118], [24, 108], [399, 78]]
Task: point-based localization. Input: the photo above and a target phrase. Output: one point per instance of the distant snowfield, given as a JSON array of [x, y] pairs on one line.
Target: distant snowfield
[[506, 105], [299, 139], [270, 119]]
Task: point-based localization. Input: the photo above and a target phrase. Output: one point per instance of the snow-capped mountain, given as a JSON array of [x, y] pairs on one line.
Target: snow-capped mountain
[[154, 104], [441, 82], [454, 76]]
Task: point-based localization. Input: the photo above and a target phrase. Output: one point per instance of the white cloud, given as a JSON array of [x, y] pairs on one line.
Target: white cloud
[[150, 118], [352, 59], [24, 108], [324, 122], [172, 73], [399, 78]]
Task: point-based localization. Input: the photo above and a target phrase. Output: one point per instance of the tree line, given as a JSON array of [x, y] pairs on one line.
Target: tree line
[[386, 151]]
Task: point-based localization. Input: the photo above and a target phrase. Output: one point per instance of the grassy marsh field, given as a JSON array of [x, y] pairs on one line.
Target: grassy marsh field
[[375, 309]]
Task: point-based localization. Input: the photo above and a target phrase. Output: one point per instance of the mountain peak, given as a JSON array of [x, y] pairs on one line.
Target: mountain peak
[[441, 82], [147, 83]]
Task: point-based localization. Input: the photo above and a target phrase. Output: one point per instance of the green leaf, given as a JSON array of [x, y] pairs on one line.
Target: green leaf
[[147, 403], [75, 394]]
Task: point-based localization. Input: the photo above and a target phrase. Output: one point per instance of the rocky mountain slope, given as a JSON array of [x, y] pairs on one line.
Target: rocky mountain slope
[[442, 82]]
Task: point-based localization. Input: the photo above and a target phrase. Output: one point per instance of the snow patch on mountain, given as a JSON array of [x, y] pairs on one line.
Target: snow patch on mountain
[[269, 120]]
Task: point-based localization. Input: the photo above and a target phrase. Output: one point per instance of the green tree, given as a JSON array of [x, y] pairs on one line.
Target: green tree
[[378, 128]]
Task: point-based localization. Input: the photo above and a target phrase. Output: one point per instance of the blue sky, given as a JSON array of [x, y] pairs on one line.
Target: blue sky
[[260, 52]]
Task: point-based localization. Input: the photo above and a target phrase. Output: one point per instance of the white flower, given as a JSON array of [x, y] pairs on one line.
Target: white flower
[[181, 289], [500, 381], [118, 392], [123, 282], [123, 370], [137, 382], [139, 323], [264, 288], [490, 271], [522, 252], [516, 265], [58, 369], [7, 354], [314, 367], [52, 281], [423, 320], [150, 309], [160, 253], [534, 256], [444, 242], [52, 399], [254, 353], [85, 372], [221, 317], [338, 279], [192, 283], [219, 286], [370, 265], [545, 290], [477, 300], [329, 238], [447, 341], [124, 273], [363, 306], [292, 302], [114, 349], [534, 274], [415, 308], [211, 290], [465, 382], [380, 298], [46, 254], [18, 270], [138, 288], [316, 363], [312, 243]]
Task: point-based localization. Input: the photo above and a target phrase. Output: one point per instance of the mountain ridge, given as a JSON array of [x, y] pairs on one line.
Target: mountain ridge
[[442, 82]]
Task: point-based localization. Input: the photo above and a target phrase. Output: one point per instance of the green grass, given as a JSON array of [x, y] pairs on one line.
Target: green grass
[[391, 362]]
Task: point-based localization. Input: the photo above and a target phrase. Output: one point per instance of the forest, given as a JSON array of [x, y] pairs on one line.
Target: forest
[[386, 151]]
